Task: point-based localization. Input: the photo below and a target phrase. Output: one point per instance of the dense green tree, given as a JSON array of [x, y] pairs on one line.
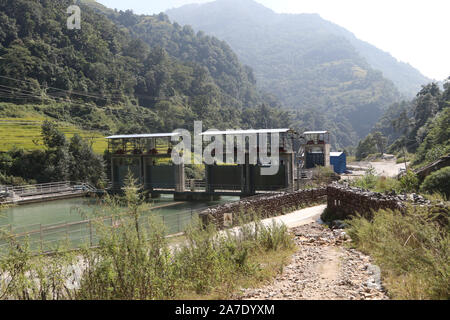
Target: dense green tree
[[380, 141], [421, 126], [52, 136], [60, 161], [84, 164], [366, 147], [438, 182]]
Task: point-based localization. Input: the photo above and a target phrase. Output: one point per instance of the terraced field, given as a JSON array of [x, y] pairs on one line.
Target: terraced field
[[26, 133]]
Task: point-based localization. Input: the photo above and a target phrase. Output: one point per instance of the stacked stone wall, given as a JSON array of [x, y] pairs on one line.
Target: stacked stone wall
[[267, 206], [344, 201]]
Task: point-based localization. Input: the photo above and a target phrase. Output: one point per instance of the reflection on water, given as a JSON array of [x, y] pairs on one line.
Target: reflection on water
[[69, 210]]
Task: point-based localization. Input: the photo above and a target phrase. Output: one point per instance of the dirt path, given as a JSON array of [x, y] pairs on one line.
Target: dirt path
[[387, 168], [322, 269]]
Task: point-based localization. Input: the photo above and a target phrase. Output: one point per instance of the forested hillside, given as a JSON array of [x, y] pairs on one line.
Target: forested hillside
[[420, 127], [103, 77], [310, 64]]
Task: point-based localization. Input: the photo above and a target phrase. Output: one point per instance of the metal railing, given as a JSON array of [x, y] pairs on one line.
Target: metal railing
[[39, 188], [15, 193], [192, 184], [75, 235]]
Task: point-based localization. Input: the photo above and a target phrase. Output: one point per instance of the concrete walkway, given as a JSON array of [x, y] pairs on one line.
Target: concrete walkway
[[291, 220], [299, 217]]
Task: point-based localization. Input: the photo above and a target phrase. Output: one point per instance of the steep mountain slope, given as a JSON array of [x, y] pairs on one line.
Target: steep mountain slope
[[103, 77], [183, 44], [306, 62], [420, 126], [223, 17]]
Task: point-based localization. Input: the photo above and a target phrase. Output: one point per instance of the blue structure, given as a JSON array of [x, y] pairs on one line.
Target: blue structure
[[339, 162]]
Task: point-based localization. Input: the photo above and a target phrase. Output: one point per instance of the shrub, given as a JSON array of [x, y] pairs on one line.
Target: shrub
[[24, 276], [133, 259], [215, 261], [409, 182], [324, 175], [438, 182], [411, 249], [368, 181]]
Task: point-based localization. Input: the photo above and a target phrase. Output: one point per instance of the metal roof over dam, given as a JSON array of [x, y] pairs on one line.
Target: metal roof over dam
[[144, 136]]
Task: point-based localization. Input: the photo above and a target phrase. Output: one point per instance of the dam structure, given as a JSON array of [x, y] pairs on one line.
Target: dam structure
[[148, 158]]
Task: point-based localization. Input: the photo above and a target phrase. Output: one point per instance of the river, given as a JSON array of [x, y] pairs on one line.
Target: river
[[70, 210]]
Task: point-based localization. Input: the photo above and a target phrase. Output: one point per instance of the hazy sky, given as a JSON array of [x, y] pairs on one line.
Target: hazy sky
[[412, 31]]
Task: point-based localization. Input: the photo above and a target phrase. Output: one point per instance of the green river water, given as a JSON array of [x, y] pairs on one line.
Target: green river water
[[69, 210], [44, 226]]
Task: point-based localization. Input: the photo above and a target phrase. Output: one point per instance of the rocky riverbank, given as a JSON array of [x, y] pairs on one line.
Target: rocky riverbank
[[322, 269]]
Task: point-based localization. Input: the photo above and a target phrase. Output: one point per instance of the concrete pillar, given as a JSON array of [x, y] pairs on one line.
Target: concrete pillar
[[209, 179], [112, 173], [291, 165], [243, 184], [288, 160], [147, 174], [141, 171], [327, 150], [249, 187], [180, 182], [115, 182]]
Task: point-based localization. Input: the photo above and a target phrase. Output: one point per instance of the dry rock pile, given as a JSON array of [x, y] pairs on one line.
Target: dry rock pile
[[323, 268]]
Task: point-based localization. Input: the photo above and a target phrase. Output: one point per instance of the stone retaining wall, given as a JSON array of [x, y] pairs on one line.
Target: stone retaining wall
[[268, 206], [344, 201]]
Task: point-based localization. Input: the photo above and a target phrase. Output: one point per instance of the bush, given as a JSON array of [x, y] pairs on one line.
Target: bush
[[368, 181], [14, 181], [24, 276], [214, 261], [438, 182], [411, 249], [409, 182], [324, 175]]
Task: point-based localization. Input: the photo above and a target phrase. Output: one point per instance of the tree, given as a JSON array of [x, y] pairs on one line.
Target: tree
[[84, 164], [438, 181], [52, 136], [380, 141], [366, 147]]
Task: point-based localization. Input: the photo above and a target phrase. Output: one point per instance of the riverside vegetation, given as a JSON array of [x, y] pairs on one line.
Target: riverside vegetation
[[435, 186], [136, 260], [59, 160], [412, 250]]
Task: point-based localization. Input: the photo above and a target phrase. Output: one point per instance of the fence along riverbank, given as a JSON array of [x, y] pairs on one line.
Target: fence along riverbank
[[44, 192], [45, 238]]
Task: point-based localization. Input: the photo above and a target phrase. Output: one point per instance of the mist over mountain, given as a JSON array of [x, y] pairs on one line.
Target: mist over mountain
[[308, 63], [222, 17]]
